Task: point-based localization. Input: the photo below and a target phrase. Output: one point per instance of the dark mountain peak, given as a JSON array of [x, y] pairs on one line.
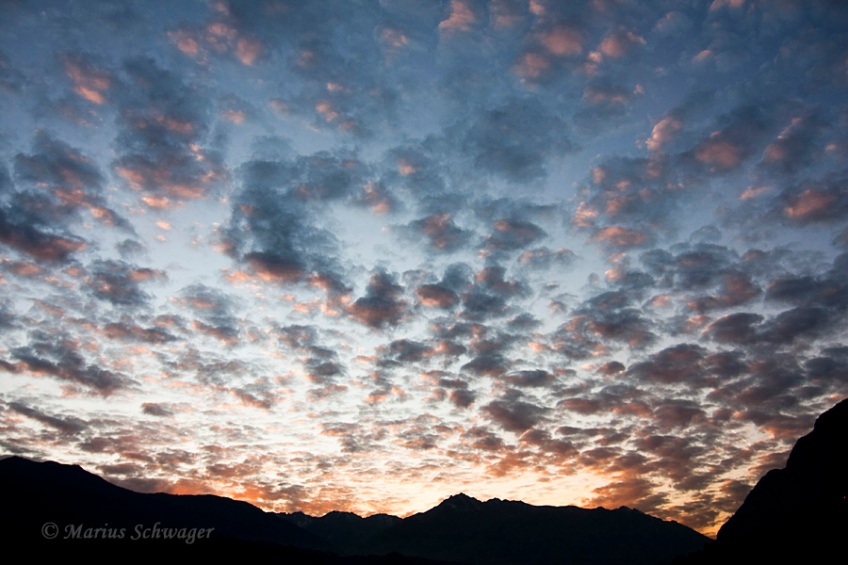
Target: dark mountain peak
[[463, 529], [461, 502], [342, 515], [299, 518]]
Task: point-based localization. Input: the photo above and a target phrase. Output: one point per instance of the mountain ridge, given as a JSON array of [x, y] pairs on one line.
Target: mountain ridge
[[513, 531]]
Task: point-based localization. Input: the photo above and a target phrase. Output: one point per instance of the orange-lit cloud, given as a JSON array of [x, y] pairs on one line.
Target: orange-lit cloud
[[461, 17]]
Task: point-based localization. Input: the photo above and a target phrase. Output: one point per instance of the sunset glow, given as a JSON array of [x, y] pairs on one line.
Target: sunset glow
[[340, 255]]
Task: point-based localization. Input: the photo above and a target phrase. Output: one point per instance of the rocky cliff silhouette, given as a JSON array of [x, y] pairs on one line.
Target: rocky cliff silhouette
[[798, 513]]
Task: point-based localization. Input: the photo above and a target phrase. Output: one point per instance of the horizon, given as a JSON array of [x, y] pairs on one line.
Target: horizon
[[351, 255], [438, 503]]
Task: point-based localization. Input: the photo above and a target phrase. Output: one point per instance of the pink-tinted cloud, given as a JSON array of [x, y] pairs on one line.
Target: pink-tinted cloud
[[811, 205], [562, 41], [90, 83], [621, 237], [664, 131], [461, 18], [620, 43]]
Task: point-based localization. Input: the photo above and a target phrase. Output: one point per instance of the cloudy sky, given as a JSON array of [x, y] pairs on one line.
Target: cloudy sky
[[363, 255]]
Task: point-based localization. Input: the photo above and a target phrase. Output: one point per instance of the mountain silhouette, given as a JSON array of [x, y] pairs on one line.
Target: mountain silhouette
[[795, 514], [348, 533], [467, 530], [93, 516], [114, 522]]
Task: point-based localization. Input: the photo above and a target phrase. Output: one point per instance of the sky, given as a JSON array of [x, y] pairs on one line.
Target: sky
[[363, 255]]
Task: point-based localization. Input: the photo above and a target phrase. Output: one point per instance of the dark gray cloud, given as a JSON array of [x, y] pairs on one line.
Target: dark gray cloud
[[72, 178], [69, 426], [510, 235], [608, 317], [214, 312], [132, 332], [38, 220], [163, 130], [383, 303], [441, 232], [490, 294], [34, 239], [120, 283], [530, 378], [406, 350], [487, 364], [273, 228], [297, 336], [821, 202], [514, 415], [155, 409], [545, 258], [514, 140], [436, 296], [61, 358]]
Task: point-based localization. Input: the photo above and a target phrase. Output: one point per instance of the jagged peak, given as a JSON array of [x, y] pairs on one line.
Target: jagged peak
[[343, 514], [461, 501]]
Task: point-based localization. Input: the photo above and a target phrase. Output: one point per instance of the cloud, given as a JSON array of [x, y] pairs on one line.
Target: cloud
[[487, 364], [562, 40], [530, 378], [296, 336], [436, 296], [545, 258], [383, 304], [740, 135], [489, 295], [36, 241], [441, 231], [162, 145], [214, 312], [736, 289], [514, 415], [664, 130], [67, 426], [461, 17], [515, 140], [735, 328], [796, 146], [90, 82], [119, 282], [61, 359], [273, 225], [621, 237], [510, 235], [619, 43], [154, 409], [604, 317], [39, 220], [819, 204], [409, 351], [131, 332]]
